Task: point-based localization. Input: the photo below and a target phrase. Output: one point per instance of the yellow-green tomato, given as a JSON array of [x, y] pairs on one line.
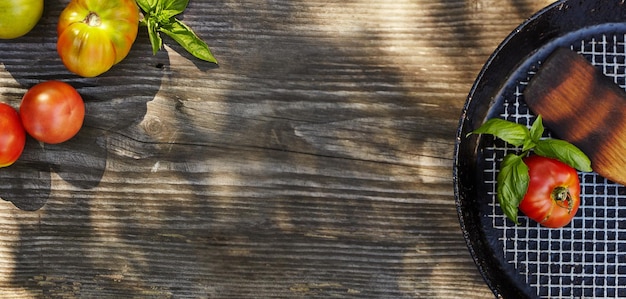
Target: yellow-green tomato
[[94, 35], [18, 17]]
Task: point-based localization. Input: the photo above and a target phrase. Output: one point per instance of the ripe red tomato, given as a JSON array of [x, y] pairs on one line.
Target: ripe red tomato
[[94, 35], [52, 111], [12, 135], [553, 194]]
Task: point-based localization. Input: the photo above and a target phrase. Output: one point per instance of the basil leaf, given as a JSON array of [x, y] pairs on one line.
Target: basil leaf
[[510, 132], [536, 130], [171, 8], [564, 152], [155, 37], [528, 144], [147, 5], [182, 34], [513, 180], [160, 17]]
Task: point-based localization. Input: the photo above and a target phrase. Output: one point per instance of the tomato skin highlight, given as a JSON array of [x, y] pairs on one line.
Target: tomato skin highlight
[[94, 35], [18, 17], [52, 112], [12, 135], [553, 194]]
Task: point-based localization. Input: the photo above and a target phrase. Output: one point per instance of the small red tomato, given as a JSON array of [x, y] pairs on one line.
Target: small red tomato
[[12, 135], [52, 111], [553, 194]]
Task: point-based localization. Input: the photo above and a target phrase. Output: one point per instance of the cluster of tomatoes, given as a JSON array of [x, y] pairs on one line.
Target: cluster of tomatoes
[[51, 112], [93, 35]]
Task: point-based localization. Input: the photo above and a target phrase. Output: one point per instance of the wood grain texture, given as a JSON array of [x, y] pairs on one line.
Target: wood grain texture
[[314, 162]]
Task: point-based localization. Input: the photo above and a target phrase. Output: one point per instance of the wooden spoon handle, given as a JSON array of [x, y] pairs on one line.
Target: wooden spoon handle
[[583, 106]]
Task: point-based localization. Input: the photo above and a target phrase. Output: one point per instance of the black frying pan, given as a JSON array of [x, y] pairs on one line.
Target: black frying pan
[[587, 258]]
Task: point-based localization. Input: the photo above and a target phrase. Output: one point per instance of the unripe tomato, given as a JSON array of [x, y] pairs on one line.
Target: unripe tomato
[[12, 135], [18, 17], [553, 194], [52, 111], [94, 35]]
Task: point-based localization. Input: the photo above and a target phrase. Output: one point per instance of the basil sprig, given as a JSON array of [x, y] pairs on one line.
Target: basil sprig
[[160, 16], [513, 177]]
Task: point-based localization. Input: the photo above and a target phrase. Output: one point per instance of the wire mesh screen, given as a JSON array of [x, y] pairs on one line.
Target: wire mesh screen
[[587, 258]]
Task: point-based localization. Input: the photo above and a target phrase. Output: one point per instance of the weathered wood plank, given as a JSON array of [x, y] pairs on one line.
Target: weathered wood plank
[[315, 161]]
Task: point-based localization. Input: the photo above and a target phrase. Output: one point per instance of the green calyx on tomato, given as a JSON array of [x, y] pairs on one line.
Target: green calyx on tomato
[[516, 178], [94, 35], [562, 197], [12, 135], [160, 16], [18, 17]]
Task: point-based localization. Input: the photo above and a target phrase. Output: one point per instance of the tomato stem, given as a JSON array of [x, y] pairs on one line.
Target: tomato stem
[[93, 19], [561, 195]]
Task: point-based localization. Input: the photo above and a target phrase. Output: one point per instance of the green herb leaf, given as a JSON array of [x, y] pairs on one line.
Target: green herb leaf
[[536, 130], [159, 16], [155, 37], [182, 34], [528, 144], [564, 152], [147, 5], [508, 131], [171, 8], [512, 184]]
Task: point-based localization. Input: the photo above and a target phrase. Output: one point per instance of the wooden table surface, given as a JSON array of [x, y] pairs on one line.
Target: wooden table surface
[[314, 162]]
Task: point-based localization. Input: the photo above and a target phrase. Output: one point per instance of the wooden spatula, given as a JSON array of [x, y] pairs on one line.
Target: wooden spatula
[[581, 105]]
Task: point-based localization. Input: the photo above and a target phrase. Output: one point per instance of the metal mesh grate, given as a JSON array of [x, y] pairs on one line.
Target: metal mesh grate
[[587, 258]]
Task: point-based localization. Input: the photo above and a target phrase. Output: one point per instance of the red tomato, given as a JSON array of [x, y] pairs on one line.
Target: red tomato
[[52, 111], [12, 135], [553, 194], [94, 35]]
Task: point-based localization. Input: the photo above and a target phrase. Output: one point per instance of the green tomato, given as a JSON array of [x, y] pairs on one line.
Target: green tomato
[[18, 17]]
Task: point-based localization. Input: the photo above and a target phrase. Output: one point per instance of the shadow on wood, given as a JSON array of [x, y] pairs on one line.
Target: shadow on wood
[[113, 102]]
